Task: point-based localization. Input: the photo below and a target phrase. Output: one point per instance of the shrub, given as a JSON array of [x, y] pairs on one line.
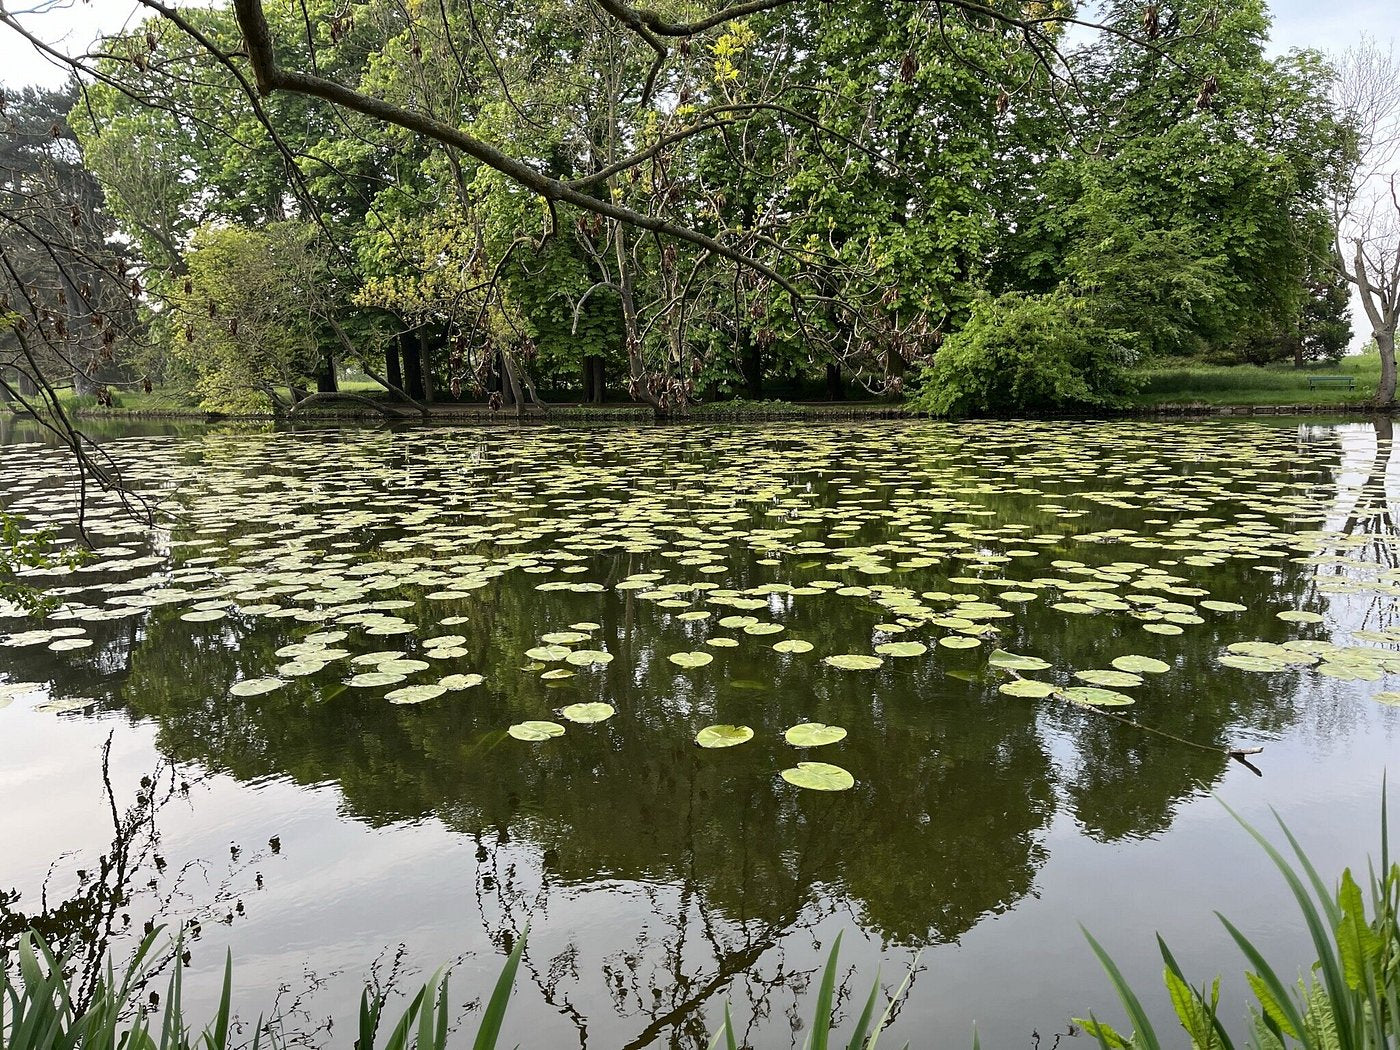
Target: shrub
[[1022, 353]]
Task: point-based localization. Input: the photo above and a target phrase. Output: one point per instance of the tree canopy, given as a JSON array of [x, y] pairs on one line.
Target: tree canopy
[[523, 202]]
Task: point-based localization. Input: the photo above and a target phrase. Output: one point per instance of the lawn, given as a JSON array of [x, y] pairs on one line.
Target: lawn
[[1190, 382]]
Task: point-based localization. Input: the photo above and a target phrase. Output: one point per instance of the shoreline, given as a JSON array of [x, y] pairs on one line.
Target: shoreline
[[628, 412]]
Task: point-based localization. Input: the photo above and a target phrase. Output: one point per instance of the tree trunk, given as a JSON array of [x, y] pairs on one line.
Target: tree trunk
[[326, 382], [412, 367], [393, 372], [835, 389], [425, 364], [1385, 342], [83, 384], [593, 379], [27, 386], [750, 364]]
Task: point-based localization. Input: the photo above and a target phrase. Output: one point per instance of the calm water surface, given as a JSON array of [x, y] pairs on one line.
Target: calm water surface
[[326, 833]]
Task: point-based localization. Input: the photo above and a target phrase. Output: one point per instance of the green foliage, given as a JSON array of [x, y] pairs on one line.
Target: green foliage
[[1349, 1001], [36, 549], [897, 162], [244, 323], [37, 1009], [1020, 352]]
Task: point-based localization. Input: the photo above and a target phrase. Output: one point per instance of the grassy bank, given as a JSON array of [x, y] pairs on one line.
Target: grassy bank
[[1170, 384], [1193, 383]]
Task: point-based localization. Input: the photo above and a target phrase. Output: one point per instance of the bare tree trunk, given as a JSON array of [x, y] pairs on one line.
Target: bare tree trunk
[[1385, 342], [425, 363]]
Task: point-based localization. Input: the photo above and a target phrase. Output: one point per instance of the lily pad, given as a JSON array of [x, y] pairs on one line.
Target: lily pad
[[723, 736], [415, 694], [588, 713], [814, 734], [534, 732], [1026, 689], [589, 658], [1015, 662], [690, 659], [792, 645], [819, 776], [255, 686], [1120, 679], [375, 679], [901, 649], [959, 641], [854, 662], [1141, 664], [1095, 697], [456, 682]]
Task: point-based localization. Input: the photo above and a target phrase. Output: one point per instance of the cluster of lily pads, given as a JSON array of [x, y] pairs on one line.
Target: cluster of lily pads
[[276, 528]]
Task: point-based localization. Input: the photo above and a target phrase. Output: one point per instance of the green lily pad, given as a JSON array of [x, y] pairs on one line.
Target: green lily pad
[[814, 734], [1141, 664], [1240, 662], [589, 658], [1095, 697], [456, 682], [255, 686], [763, 628], [1016, 662], [375, 679], [534, 732], [1026, 689], [1120, 679], [588, 713], [854, 662], [690, 659], [415, 694], [1299, 616], [901, 649], [959, 641], [66, 644], [547, 653], [723, 736], [819, 776], [792, 645]]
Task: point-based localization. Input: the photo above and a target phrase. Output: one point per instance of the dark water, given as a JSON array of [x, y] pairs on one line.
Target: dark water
[[660, 879]]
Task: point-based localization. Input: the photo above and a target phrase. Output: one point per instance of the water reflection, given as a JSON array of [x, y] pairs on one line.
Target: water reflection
[[957, 785]]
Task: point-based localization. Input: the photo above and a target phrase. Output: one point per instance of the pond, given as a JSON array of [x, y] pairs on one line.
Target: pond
[[335, 654]]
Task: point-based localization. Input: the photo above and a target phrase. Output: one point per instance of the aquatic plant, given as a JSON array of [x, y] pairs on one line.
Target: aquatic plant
[[1350, 999], [38, 1012]]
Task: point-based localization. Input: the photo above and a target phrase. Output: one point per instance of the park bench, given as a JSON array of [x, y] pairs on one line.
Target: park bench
[[1348, 382]]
